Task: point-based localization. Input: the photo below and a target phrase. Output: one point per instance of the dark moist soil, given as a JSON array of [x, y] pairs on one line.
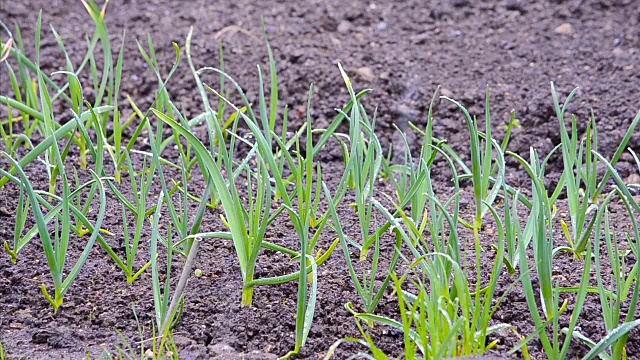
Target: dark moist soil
[[400, 49]]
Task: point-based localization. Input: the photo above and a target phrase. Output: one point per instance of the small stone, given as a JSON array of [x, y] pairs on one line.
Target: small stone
[[344, 26], [407, 111], [221, 349], [257, 355], [633, 179], [420, 38], [365, 73], [618, 52], [564, 29], [381, 26], [446, 92]]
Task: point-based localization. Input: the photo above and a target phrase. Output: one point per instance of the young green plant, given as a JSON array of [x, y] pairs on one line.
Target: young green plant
[[56, 249], [441, 321], [575, 174], [543, 239]]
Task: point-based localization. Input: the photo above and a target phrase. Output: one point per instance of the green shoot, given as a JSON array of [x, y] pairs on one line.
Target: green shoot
[[56, 248], [543, 240]]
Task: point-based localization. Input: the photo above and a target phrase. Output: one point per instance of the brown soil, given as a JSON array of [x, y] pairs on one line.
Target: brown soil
[[409, 47]]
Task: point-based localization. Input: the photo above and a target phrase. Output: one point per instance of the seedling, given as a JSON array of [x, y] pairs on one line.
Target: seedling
[[56, 248]]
